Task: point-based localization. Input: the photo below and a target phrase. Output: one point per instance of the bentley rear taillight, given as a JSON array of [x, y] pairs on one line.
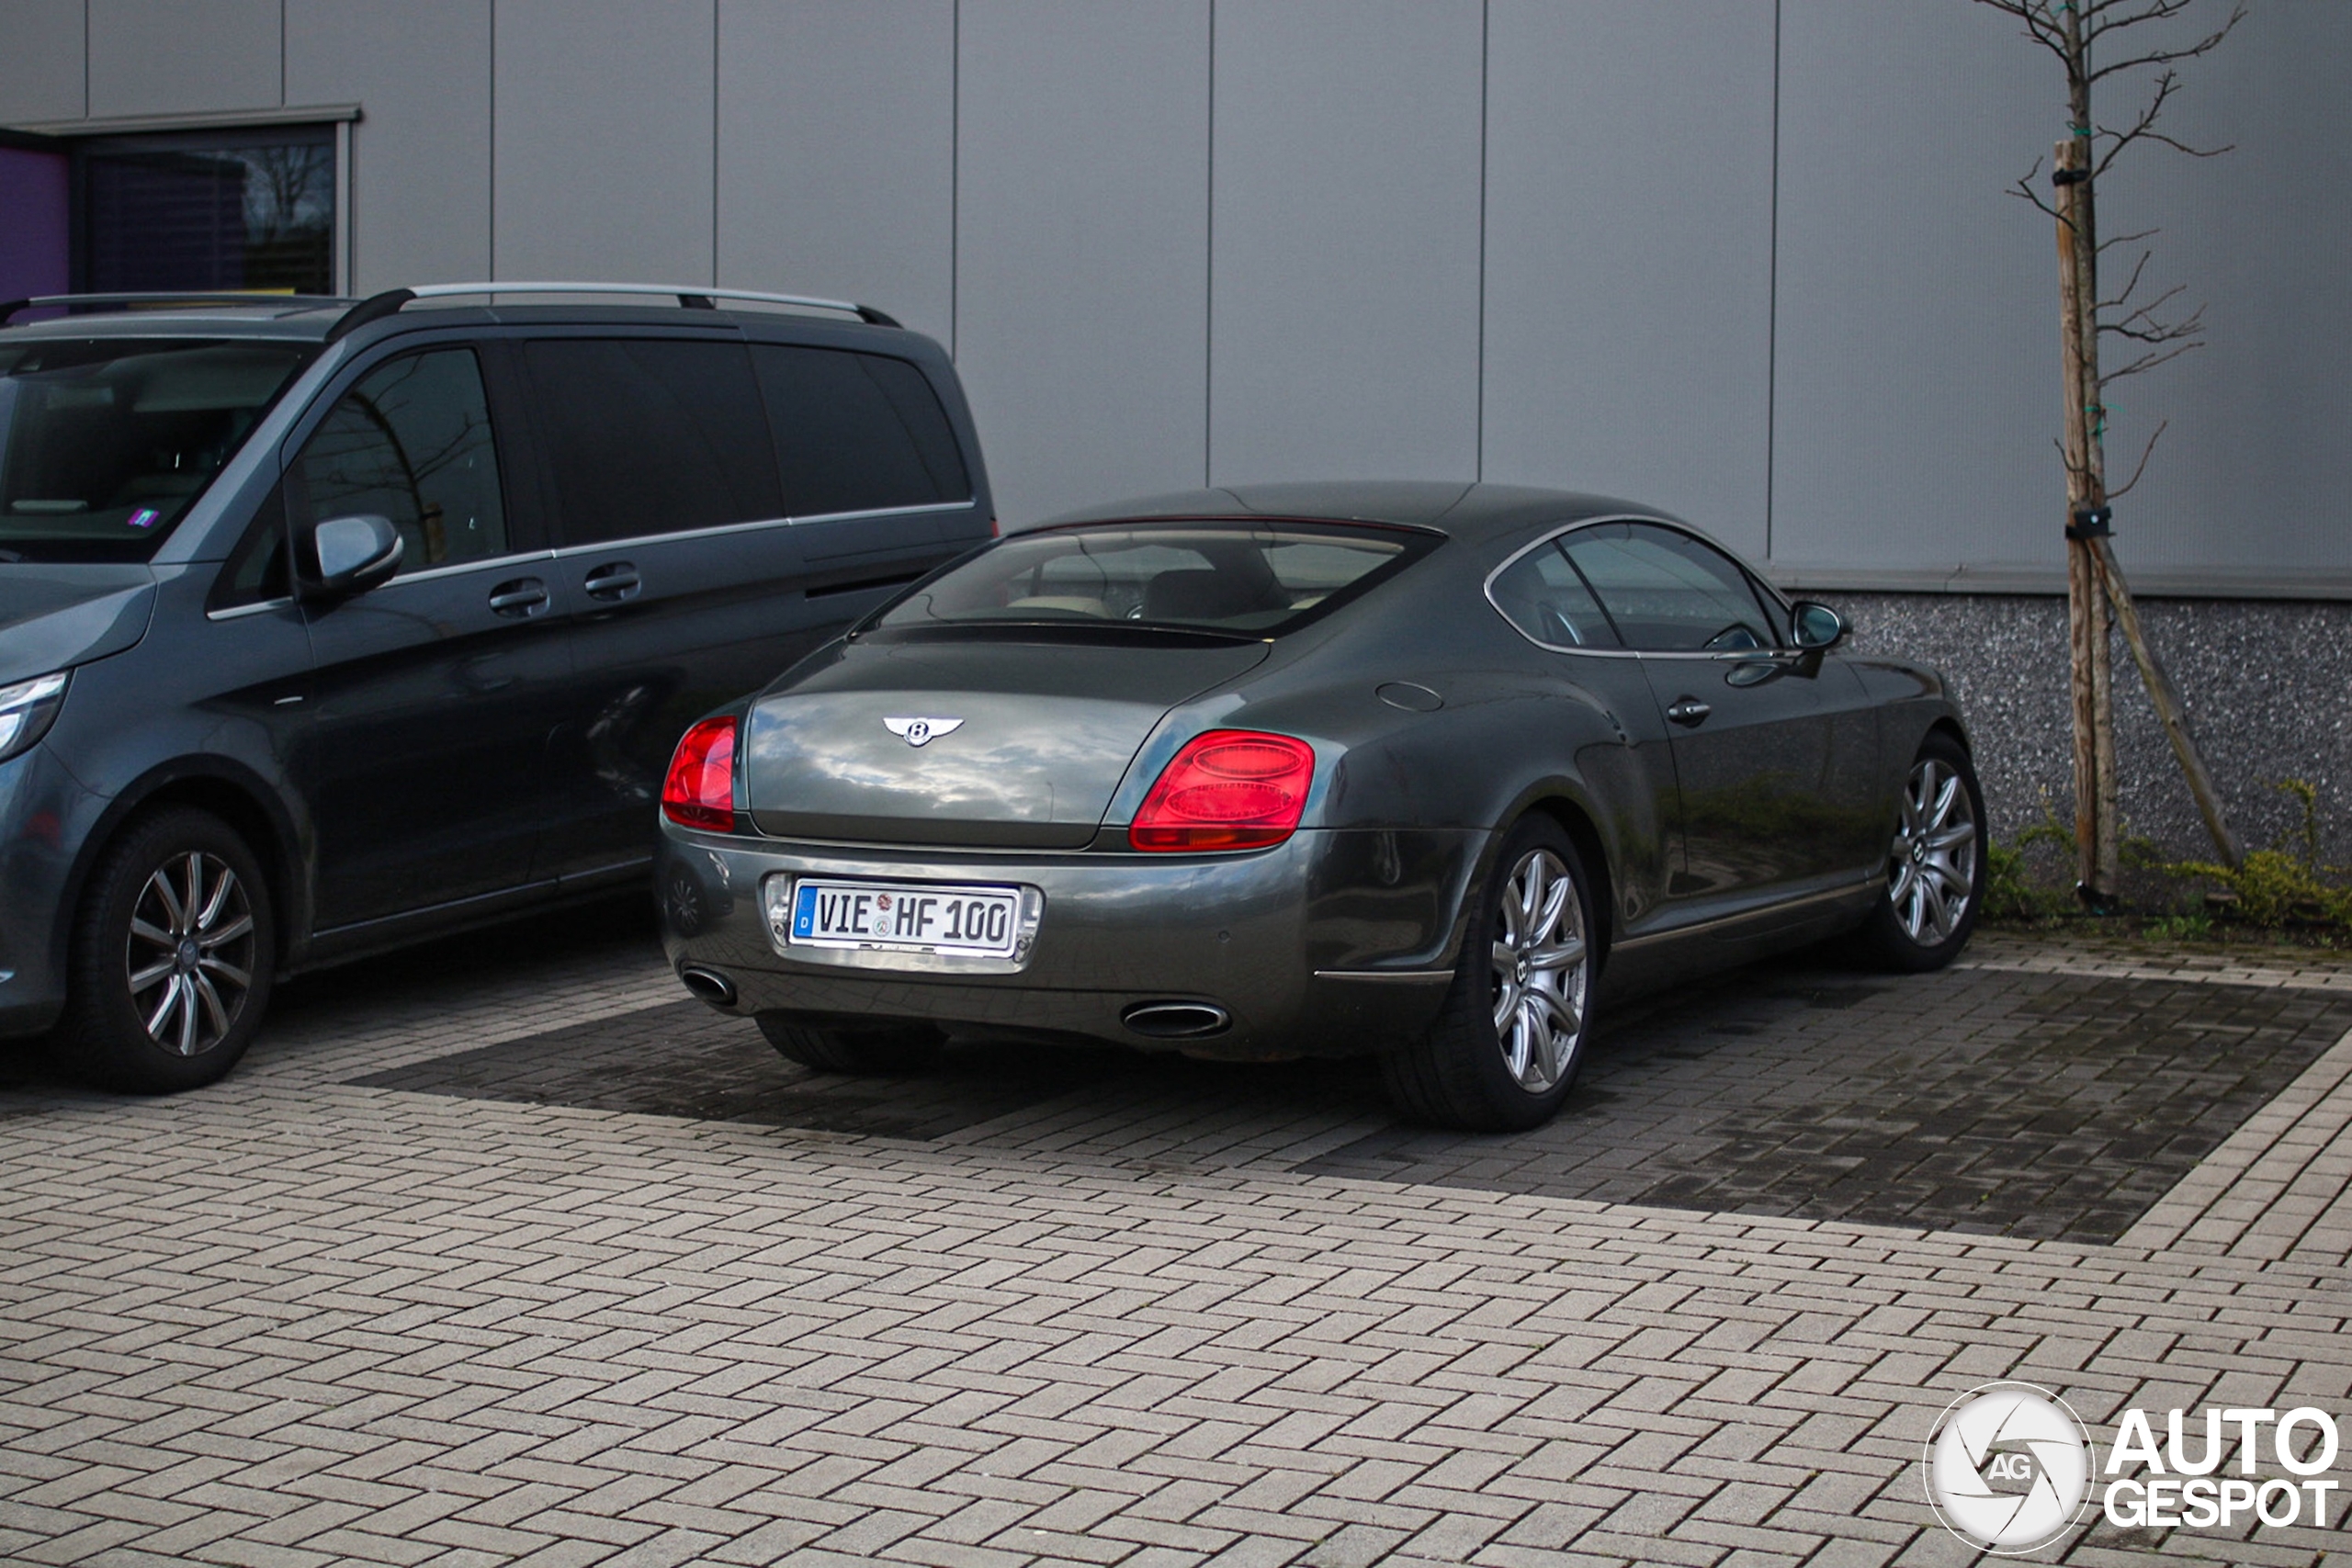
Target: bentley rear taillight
[[700, 790], [1228, 789]]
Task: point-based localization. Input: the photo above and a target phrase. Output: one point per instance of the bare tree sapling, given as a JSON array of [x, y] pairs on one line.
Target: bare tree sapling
[[2097, 41]]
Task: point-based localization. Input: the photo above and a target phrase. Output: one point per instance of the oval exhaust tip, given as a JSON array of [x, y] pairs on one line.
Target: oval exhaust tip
[[709, 984], [1177, 1020]]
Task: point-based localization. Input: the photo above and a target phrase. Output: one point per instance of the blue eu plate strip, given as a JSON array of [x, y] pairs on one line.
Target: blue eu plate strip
[[804, 911]]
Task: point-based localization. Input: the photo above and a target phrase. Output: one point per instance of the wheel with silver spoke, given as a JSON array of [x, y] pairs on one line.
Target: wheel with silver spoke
[[1537, 970], [172, 956], [189, 958], [1509, 1039], [1935, 868]]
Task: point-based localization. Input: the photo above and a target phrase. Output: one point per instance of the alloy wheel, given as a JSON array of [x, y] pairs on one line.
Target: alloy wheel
[[1539, 970], [1931, 870], [190, 957]]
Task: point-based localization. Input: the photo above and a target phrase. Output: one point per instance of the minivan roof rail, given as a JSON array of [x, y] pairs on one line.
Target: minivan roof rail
[[172, 296], [693, 297]]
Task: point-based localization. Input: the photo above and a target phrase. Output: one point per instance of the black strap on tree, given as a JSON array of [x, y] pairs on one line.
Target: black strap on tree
[[2092, 522]]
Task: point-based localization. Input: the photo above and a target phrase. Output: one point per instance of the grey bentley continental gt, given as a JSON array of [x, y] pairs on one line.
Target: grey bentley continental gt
[[1414, 770]]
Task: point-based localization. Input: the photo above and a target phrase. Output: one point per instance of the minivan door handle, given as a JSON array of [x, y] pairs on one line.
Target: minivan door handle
[[613, 581], [1688, 711], [519, 597]]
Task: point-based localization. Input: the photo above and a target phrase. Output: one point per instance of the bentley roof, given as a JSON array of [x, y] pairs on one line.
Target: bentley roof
[[1464, 511]]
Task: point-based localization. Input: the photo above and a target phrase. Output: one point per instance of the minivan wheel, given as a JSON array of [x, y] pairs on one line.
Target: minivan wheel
[[1936, 866], [863, 1050], [172, 956], [1509, 1037]]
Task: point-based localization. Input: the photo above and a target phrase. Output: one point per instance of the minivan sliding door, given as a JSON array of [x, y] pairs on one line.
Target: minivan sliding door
[[720, 510], [670, 538]]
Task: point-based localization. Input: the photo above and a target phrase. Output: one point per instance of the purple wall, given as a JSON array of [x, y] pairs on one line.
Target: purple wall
[[32, 223]]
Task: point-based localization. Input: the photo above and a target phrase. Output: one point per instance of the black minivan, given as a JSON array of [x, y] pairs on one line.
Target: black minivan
[[330, 625]]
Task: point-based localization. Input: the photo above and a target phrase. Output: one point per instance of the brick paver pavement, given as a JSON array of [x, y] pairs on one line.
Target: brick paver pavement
[[302, 1320]]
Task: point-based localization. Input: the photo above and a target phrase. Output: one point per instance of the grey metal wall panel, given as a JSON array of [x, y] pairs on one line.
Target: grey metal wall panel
[[837, 152], [1629, 231], [604, 140], [40, 66], [2256, 470], [420, 155], [1083, 246], [1345, 256], [1916, 365], [1333, 325], [184, 56]]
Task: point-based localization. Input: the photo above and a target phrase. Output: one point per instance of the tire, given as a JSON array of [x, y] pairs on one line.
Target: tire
[[1468, 1072], [1938, 851], [865, 1052], [166, 989]]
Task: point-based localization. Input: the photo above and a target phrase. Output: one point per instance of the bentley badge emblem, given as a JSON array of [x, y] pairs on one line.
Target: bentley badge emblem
[[920, 731]]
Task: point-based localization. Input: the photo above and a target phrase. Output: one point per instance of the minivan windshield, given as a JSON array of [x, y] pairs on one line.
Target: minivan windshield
[[1243, 578], [106, 442]]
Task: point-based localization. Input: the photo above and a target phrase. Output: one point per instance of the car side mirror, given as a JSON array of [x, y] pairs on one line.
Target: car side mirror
[[1816, 626], [344, 556]]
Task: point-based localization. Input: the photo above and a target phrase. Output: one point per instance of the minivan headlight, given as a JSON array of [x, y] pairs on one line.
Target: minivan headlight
[[27, 710]]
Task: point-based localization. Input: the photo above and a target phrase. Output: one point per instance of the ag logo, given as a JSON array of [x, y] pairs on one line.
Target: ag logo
[[918, 732], [2008, 1467], [2011, 1467]]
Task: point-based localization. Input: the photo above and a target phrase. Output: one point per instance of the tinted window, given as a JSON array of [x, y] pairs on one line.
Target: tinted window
[[1543, 596], [1666, 590], [857, 432], [1250, 578], [648, 435], [1776, 614], [105, 443], [412, 442], [256, 568]]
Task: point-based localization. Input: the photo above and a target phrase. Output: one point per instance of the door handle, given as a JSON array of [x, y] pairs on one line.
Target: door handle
[[519, 597], [613, 581], [1689, 712]]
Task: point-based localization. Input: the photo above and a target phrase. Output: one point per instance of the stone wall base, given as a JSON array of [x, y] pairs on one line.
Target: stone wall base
[[2268, 683]]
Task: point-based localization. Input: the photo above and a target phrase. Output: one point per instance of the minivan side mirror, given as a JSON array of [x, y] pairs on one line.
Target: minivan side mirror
[[1816, 626], [343, 556]]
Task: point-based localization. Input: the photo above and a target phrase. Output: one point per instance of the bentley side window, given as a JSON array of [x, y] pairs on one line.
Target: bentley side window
[[1666, 591], [1541, 594], [1776, 614]]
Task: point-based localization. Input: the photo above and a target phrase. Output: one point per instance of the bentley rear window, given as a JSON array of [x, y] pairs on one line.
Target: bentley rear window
[[1244, 578]]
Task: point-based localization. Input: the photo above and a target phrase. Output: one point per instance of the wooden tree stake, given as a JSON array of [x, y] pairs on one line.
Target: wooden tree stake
[[2097, 846], [2170, 711]]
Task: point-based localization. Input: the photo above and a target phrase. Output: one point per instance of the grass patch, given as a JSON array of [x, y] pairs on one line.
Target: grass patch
[[2282, 893]]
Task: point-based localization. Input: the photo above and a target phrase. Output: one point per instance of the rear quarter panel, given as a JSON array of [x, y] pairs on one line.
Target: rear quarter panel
[[1516, 731]]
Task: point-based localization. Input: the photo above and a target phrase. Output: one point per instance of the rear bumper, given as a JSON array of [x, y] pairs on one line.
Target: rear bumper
[[1332, 943]]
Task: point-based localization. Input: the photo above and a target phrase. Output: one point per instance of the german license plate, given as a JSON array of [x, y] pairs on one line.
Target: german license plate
[[968, 923]]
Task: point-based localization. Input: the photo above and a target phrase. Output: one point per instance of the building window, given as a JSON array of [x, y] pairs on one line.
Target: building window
[[222, 210]]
